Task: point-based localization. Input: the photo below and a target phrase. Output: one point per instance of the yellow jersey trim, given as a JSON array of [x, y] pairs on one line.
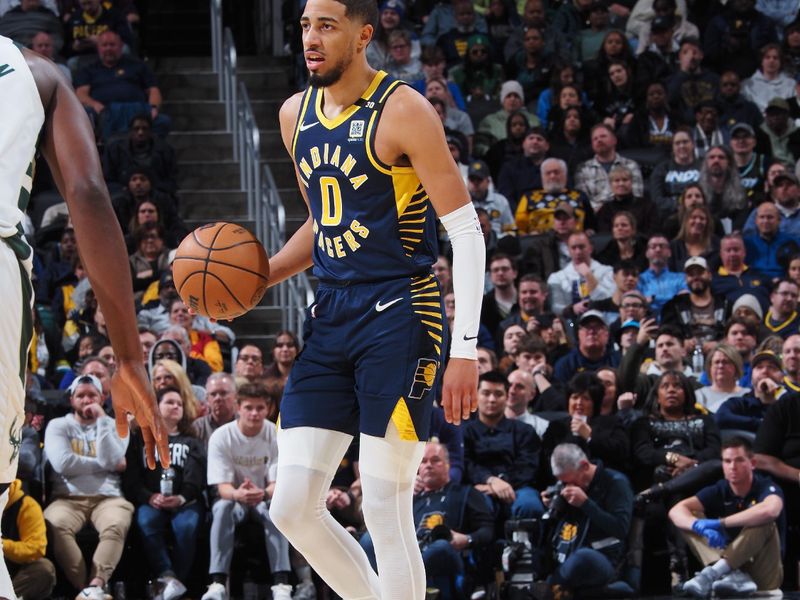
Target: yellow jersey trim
[[401, 417], [350, 110]]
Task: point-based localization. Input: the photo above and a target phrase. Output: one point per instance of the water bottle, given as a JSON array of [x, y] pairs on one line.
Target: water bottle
[[698, 360], [167, 479]]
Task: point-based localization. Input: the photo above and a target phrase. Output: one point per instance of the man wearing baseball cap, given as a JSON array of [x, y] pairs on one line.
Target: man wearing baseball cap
[[752, 165], [784, 136], [746, 412], [699, 313], [592, 351], [495, 204]]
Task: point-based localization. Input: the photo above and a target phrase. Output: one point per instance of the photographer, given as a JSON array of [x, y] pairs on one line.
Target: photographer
[[590, 519], [450, 519]]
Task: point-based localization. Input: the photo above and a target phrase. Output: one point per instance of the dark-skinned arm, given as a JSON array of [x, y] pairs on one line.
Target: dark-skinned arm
[[68, 145]]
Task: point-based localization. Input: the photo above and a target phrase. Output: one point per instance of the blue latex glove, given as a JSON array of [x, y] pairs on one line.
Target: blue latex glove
[[702, 524], [715, 538]]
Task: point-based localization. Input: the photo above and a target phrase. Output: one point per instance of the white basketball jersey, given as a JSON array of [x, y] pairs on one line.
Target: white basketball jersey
[[21, 119]]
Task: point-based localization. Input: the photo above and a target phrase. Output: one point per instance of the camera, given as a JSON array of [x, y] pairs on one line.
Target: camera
[[558, 506], [519, 560]]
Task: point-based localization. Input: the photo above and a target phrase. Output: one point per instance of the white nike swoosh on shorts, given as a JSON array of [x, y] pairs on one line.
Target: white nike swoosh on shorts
[[382, 307]]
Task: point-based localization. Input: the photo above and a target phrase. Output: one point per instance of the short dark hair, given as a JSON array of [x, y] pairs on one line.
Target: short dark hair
[[494, 377], [749, 325], [737, 441], [672, 331], [588, 383], [256, 391], [533, 344], [626, 265], [535, 279], [500, 256], [365, 11]]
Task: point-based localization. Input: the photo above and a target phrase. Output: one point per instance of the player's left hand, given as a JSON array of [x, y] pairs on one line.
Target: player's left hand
[[460, 389], [132, 394]]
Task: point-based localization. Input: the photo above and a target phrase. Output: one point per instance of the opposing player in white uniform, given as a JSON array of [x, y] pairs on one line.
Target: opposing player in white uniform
[[37, 104]]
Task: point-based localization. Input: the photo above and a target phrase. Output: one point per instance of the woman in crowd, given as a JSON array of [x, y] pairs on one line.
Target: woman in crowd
[[562, 74], [285, 350], [676, 452], [168, 373], [615, 47], [615, 104], [671, 178], [691, 197], [652, 126], [569, 137], [148, 210], [625, 243], [511, 147], [389, 20], [695, 238], [793, 268], [724, 369], [456, 119], [170, 500], [150, 258]]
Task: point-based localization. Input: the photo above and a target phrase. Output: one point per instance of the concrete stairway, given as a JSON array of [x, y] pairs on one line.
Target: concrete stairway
[[209, 186]]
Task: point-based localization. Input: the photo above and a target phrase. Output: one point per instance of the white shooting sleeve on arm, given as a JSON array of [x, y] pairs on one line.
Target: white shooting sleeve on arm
[[469, 264]]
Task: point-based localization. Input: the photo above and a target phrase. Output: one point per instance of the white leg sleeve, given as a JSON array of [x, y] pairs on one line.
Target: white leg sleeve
[[307, 461], [6, 589], [388, 467]]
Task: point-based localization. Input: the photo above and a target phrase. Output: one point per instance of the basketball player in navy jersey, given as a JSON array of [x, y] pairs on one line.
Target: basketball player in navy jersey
[[374, 167], [39, 108]]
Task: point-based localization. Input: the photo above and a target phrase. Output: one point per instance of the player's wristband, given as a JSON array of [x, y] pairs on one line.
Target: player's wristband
[[469, 258]]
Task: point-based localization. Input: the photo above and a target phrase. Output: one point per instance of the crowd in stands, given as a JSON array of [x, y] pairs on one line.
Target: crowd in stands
[[634, 166]]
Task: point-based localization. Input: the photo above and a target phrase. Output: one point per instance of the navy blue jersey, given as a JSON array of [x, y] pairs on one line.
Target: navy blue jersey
[[371, 221]]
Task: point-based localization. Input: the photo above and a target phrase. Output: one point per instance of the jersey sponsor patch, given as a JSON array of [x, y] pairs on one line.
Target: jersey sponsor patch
[[356, 130]]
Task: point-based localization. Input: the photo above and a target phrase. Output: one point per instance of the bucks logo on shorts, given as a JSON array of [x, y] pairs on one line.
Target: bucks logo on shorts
[[424, 377]]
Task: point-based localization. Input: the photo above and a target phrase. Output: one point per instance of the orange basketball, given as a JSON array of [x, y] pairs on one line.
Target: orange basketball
[[221, 270]]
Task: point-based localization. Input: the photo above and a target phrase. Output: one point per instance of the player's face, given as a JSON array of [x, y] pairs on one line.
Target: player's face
[[492, 398], [171, 407], [737, 465], [330, 40]]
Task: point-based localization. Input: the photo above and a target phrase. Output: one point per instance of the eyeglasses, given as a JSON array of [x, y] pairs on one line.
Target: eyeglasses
[[250, 358], [635, 305]]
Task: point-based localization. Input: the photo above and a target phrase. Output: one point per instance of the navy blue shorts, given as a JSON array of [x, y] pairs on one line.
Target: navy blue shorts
[[372, 353]]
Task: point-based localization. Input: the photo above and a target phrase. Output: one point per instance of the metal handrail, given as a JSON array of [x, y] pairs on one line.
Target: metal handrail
[[264, 204]]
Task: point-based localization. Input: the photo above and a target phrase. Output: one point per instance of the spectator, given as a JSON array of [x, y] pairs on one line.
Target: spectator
[[284, 352], [441, 20], [509, 149], [141, 149], [175, 346], [167, 373], [724, 369], [599, 507], [769, 246], [583, 279], [652, 126], [570, 20], [24, 544], [657, 58], [670, 179], [522, 391], [658, 283], [117, 87], [641, 20], [548, 252], [770, 81], [782, 318], [522, 173], [626, 244], [592, 351], [752, 166], [242, 464], [570, 139], [600, 436], [455, 119], [434, 67], [734, 107], [615, 104], [150, 257], [784, 137], [722, 187], [390, 20], [533, 16], [734, 35], [402, 63], [532, 64], [531, 303], [786, 194], [745, 411], [699, 313], [469, 525], [501, 300], [623, 199], [495, 204], [537, 207], [501, 455], [742, 334], [512, 99], [169, 499], [221, 399], [691, 84], [249, 364], [791, 363], [44, 43], [140, 203], [476, 75], [87, 458], [737, 535], [22, 22], [203, 345], [695, 238], [592, 175], [85, 27], [734, 278]]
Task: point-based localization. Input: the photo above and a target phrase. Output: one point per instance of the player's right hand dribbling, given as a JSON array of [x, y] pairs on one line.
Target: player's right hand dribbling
[[460, 389], [132, 394]]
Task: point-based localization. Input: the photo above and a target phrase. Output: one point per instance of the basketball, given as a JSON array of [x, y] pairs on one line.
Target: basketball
[[221, 270]]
